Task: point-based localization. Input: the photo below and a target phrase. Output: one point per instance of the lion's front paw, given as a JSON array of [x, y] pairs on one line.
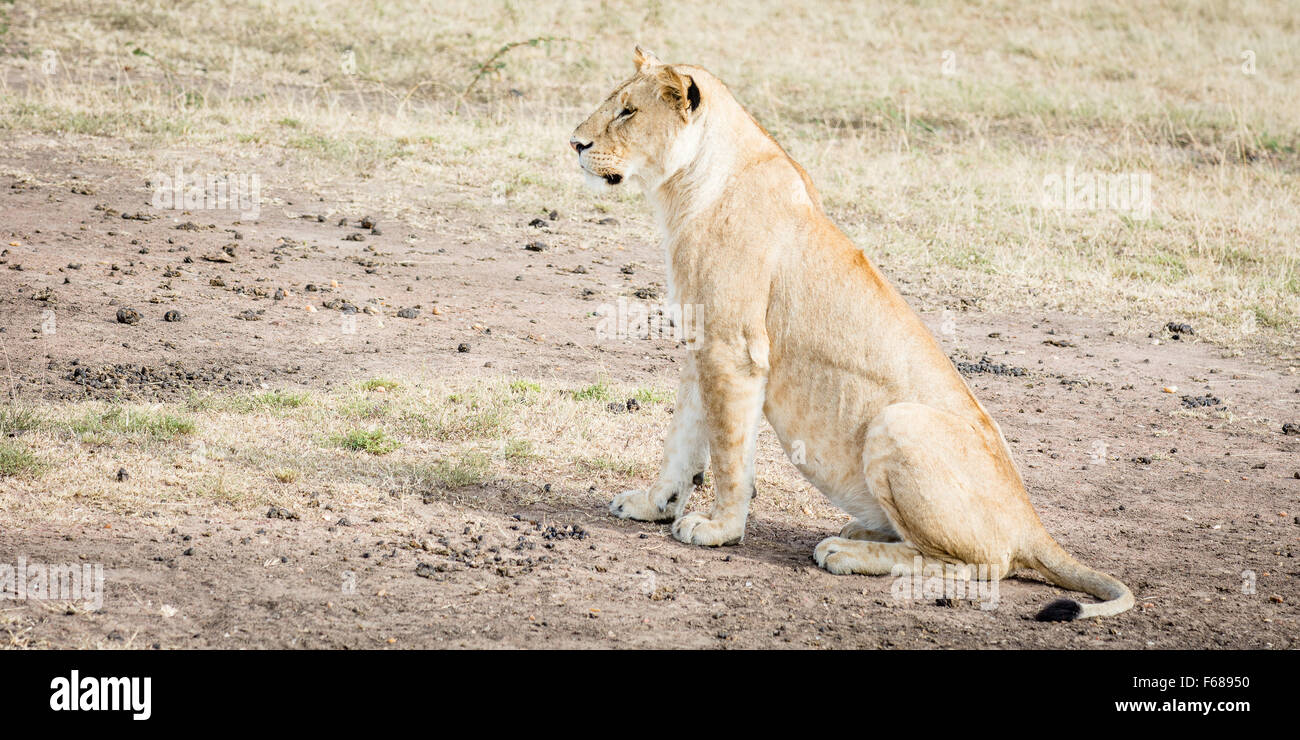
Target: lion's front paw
[[639, 505], [697, 529]]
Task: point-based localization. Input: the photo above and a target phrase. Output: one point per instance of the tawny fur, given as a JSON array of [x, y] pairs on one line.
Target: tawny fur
[[797, 324]]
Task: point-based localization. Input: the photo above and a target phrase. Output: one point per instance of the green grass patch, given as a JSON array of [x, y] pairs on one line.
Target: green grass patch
[[467, 426], [281, 399], [599, 391], [468, 469], [118, 421], [649, 395], [15, 420], [375, 383], [373, 441], [519, 450], [1270, 318], [17, 462]]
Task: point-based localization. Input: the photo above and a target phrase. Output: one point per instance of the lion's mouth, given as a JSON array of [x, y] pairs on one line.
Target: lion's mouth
[[600, 179]]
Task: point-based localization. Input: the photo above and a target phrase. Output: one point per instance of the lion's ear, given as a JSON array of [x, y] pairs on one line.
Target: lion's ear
[[645, 60], [679, 91]]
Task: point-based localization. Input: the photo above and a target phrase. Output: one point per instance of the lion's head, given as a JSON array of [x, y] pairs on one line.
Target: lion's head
[[636, 132]]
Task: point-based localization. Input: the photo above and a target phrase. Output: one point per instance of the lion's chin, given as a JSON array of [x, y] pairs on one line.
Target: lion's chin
[[601, 183]]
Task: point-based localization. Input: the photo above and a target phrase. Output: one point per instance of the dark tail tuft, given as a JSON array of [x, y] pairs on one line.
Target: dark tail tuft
[[1061, 610]]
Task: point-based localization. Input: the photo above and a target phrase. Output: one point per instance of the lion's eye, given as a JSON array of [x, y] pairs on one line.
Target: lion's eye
[[626, 112]]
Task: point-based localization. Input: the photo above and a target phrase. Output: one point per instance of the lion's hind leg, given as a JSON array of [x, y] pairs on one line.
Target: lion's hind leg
[[945, 486], [858, 529], [843, 556]]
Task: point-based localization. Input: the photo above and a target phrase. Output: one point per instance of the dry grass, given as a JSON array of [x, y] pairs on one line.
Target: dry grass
[[243, 455], [938, 176]]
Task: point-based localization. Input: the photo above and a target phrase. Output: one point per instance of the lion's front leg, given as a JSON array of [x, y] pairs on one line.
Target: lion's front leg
[[686, 456], [733, 403]]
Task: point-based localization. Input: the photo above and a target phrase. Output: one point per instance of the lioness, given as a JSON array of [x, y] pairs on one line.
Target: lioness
[[800, 326]]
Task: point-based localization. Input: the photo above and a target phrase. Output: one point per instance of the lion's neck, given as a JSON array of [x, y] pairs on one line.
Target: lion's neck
[[695, 184]]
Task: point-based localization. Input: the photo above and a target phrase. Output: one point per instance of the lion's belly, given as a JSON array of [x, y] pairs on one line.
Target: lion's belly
[[821, 425]]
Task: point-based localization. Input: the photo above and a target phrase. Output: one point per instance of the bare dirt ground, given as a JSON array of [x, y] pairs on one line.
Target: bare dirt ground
[[1178, 500]]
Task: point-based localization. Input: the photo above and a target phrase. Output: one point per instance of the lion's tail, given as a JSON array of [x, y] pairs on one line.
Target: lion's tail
[[1059, 567]]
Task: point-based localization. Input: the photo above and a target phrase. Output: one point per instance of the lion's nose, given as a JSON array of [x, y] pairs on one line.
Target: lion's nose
[[578, 145]]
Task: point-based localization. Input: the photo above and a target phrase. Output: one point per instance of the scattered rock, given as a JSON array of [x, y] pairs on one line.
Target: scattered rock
[[122, 475], [1193, 402], [536, 246], [172, 316], [985, 365], [227, 254], [279, 512], [564, 532], [338, 304], [408, 313], [1291, 428], [128, 316]]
